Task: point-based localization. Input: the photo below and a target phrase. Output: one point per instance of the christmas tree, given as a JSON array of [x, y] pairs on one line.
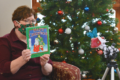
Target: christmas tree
[[74, 28]]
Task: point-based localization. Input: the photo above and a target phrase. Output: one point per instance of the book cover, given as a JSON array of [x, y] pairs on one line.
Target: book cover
[[38, 40]]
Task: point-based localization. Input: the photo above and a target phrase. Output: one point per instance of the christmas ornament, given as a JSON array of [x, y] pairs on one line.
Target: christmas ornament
[[70, 37], [119, 49], [38, 20], [90, 52], [64, 61], [95, 42], [65, 57], [107, 10], [56, 41], [84, 75], [81, 51], [60, 12], [60, 30], [68, 31], [93, 33], [87, 28], [116, 29], [98, 42], [100, 52], [83, 57], [66, 51], [99, 22], [86, 9]]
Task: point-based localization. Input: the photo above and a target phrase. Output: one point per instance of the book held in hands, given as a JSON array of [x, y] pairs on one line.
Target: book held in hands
[[38, 40]]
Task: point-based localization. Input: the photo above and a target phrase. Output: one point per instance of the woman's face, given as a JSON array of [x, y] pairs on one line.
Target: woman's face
[[23, 24], [29, 20]]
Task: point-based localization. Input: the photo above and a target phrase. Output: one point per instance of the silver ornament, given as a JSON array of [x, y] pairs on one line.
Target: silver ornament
[[81, 51], [84, 75], [68, 31], [87, 28]]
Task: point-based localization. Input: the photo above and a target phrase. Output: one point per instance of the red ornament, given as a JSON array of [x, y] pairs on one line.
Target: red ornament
[[64, 61], [99, 23], [100, 52], [107, 10], [60, 12], [60, 30], [119, 49]]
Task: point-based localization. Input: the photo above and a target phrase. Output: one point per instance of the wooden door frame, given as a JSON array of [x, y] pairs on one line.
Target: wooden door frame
[[116, 6], [35, 5]]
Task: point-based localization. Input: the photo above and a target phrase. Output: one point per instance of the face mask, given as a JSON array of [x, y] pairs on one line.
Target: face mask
[[22, 29]]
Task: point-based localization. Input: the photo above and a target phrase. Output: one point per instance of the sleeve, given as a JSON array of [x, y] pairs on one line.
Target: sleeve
[[5, 57]]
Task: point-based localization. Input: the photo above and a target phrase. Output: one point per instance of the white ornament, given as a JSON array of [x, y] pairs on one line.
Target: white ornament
[[83, 57], [81, 51], [87, 28], [70, 37], [65, 57], [68, 31], [56, 41], [83, 75], [116, 29]]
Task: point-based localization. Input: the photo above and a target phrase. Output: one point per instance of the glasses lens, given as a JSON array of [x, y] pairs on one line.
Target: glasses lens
[[34, 21]]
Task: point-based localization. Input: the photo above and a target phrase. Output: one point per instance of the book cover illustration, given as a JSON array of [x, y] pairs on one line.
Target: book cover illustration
[[38, 40]]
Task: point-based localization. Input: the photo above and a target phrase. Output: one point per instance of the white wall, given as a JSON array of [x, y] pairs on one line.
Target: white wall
[[6, 9]]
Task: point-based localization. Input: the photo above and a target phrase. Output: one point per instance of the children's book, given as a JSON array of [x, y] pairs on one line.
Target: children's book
[[38, 40]]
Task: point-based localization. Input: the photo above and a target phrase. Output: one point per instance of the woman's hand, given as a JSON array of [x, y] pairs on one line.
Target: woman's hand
[[26, 54], [44, 59]]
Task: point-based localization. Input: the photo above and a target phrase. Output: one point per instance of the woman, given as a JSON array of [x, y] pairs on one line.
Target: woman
[[15, 60]]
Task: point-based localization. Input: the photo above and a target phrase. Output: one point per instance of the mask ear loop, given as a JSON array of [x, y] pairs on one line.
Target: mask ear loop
[[18, 23]]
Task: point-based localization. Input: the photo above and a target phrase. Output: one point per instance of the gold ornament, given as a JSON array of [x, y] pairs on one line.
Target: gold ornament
[[90, 52]]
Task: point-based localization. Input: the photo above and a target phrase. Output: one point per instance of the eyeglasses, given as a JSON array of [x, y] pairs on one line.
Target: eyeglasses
[[30, 21]]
